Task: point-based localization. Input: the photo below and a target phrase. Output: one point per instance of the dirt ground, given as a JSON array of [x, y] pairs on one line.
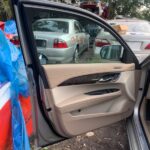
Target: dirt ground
[[112, 137]]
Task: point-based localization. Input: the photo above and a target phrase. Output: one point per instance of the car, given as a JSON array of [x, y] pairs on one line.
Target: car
[[104, 44], [73, 98], [137, 35], [90, 6], [60, 40]]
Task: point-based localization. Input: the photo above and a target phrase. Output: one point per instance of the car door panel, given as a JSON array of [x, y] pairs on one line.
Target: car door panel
[[78, 111], [69, 71], [75, 98]]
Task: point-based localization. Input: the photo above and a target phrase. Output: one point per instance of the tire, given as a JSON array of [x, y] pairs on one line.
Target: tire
[[76, 56], [43, 59]]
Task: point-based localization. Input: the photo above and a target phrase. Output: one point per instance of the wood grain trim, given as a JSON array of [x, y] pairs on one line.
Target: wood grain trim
[[56, 74]]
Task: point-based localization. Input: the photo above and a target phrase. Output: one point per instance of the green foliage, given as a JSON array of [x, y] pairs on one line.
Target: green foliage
[[128, 8], [145, 14], [117, 7], [5, 10]]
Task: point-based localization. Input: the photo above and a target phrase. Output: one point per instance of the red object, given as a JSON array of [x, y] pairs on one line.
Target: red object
[[105, 13], [27, 113], [2, 24], [13, 38], [101, 43], [9, 36], [147, 47], [88, 6], [5, 117], [15, 42], [5, 127], [59, 44]]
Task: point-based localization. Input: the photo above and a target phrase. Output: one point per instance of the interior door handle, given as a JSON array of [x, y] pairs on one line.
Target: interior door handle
[[109, 77], [106, 79], [103, 79]]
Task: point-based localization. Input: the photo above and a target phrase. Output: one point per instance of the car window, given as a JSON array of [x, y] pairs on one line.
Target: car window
[[81, 27], [59, 40], [77, 27], [48, 25]]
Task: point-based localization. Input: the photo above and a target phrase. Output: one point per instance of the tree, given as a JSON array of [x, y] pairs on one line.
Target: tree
[[126, 7], [5, 10], [145, 14]]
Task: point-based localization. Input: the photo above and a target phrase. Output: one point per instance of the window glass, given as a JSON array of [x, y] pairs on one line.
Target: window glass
[[50, 25], [77, 27], [61, 39], [81, 28]]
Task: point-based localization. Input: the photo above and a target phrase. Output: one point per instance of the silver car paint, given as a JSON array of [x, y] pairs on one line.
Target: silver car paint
[[62, 55]]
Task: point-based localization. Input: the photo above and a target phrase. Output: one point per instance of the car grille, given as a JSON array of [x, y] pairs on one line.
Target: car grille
[[41, 43]]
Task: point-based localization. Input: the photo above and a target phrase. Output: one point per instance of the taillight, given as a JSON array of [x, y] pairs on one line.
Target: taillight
[[100, 43], [147, 47], [58, 43]]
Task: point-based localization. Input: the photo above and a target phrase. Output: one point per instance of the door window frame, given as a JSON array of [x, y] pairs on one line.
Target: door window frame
[[130, 57]]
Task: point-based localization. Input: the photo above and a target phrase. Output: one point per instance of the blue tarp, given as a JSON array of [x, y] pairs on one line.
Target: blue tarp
[[12, 69], [10, 27]]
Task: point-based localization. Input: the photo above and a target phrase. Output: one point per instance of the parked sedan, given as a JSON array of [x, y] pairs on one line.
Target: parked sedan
[[136, 34], [59, 40], [102, 40]]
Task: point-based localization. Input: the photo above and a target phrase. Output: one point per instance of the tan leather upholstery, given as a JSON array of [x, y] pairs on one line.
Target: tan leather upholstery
[[74, 112]]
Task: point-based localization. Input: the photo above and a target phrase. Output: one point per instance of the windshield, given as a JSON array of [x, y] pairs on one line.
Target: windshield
[[51, 26]]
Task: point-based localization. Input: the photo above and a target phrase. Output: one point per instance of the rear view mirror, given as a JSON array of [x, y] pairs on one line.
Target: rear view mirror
[[111, 52]]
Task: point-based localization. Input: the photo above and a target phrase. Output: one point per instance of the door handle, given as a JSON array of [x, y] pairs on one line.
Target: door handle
[[109, 77], [106, 79]]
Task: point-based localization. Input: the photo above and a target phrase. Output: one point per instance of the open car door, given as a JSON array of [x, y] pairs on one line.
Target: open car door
[[77, 83]]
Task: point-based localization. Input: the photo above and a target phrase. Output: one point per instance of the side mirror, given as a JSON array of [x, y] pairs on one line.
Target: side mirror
[[111, 52]]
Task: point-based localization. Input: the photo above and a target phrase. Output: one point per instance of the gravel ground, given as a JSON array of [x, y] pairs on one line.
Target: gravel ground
[[112, 137]]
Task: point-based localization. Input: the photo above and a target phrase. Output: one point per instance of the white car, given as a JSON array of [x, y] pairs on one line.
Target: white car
[[60, 40], [137, 37]]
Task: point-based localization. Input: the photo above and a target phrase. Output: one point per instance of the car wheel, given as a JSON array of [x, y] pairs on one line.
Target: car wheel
[[43, 59], [76, 56]]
